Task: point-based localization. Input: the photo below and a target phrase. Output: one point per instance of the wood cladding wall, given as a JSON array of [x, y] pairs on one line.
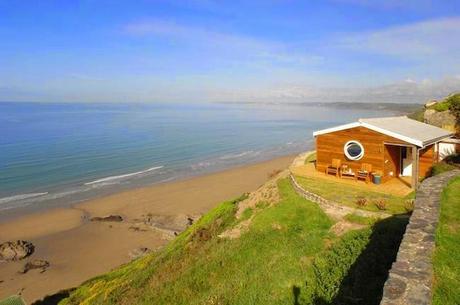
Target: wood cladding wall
[[427, 157], [378, 151], [393, 155], [330, 146]]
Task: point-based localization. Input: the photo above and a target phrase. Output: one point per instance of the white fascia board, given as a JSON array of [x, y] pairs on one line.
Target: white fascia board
[[393, 134], [337, 128]]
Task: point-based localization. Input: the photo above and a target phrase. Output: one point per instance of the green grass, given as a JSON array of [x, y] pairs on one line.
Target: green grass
[[287, 256], [261, 266], [310, 158], [360, 219], [247, 213], [348, 195], [441, 106], [446, 261], [446, 103], [13, 300]]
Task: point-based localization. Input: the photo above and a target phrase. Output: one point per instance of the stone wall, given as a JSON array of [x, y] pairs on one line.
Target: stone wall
[[411, 277]]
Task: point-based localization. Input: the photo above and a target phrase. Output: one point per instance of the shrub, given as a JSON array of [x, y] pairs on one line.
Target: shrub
[[440, 168], [381, 204], [453, 159], [454, 108], [361, 202], [442, 106], [409, 205]]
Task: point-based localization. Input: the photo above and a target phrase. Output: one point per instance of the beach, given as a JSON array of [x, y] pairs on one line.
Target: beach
[[79, 249]]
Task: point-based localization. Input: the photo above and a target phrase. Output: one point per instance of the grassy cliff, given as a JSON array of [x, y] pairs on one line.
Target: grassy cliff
[[287, 255]]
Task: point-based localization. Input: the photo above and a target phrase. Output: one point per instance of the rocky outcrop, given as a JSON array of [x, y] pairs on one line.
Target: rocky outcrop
[[443, 119], [111, 218], [170, 225], [15, 250], [410, 279], [36, 264], [139, 252]]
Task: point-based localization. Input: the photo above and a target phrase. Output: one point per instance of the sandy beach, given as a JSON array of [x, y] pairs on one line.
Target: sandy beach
[[78, 249]]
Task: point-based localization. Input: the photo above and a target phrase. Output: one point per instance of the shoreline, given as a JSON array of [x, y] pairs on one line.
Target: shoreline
[[38, 201], [79, 249]]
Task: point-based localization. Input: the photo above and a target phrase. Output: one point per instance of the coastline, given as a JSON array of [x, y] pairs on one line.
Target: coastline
[[79, 249]]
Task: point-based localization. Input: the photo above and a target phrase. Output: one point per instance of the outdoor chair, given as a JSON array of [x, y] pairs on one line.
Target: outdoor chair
[[334, 168], [365, 172]]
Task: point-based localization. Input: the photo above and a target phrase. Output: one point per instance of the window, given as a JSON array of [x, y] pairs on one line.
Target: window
[[353, 150]]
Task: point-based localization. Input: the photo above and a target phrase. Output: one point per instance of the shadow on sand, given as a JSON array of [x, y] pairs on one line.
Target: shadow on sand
[[54, 299]]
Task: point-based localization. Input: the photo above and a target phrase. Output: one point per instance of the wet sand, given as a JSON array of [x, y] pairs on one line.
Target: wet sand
[[79, 249]]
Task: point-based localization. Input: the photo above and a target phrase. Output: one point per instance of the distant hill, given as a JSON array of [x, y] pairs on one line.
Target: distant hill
[[397, 107]]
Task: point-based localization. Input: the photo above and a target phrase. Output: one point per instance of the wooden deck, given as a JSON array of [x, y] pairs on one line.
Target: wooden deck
[[396, 186]]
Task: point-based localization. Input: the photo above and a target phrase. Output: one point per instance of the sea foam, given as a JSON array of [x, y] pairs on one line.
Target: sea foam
[[21, 197], [121, 177]]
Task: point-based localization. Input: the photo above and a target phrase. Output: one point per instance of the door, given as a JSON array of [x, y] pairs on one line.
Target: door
[[406, 161]]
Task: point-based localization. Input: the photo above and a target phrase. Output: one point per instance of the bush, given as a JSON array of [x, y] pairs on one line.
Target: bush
[[409, 205], [440, 168], [440, 107], [381, 204], [361, 202], [453, 159], [454, 108]]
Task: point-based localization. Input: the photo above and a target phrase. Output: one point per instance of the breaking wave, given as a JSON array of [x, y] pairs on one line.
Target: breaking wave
[[21, 197], [120, 177]]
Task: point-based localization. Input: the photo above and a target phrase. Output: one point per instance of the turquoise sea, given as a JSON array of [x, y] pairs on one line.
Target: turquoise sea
[[59, 154]]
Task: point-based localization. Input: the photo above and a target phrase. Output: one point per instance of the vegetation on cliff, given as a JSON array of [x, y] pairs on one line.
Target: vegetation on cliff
[[287, 255]]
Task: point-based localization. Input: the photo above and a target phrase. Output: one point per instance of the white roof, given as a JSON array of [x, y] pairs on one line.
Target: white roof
[[400, 127]]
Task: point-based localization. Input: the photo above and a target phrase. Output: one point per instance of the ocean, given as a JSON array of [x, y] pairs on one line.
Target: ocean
[[58, 154]]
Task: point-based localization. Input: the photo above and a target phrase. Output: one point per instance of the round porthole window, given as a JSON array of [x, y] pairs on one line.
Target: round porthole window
[[353, 150]]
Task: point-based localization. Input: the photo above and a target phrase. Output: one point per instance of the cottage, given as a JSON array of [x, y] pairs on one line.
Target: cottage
[[389, 147]]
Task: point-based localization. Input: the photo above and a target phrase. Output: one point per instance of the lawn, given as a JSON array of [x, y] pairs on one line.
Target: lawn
[[446, 261], [310, 158], [349, 195]]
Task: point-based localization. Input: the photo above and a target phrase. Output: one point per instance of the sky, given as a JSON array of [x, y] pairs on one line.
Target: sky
[[229, 51]]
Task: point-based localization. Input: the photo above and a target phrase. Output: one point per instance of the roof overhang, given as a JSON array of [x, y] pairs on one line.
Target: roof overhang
[[382, 131], [337, 128]]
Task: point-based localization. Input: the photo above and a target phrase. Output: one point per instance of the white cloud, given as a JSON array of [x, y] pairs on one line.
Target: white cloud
[[229, 44], [390, 4], [422, 40]]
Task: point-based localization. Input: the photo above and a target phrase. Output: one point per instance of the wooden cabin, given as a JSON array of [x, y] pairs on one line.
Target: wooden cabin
[[393, 146]]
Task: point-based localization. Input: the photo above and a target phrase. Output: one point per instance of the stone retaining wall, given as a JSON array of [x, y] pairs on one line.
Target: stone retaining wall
[[331, 206], [411, 276]]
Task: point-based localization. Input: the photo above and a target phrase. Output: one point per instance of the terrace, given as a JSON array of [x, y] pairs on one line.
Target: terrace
[[395, 193]]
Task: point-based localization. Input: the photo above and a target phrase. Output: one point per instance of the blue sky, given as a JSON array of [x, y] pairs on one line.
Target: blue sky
[[204, 50]]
